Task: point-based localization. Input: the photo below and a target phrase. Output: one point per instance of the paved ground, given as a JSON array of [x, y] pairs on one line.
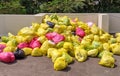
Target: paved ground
[[42, 66]]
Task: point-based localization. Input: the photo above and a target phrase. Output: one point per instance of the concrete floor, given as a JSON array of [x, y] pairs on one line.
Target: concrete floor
[[42, 66]]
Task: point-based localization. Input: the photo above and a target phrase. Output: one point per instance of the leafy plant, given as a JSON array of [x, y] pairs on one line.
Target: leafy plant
[[62, 6]]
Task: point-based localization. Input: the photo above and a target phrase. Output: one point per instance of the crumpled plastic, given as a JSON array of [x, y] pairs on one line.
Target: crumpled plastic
[[41, 32], [20, 39], [49, 52], [23, 45], [112, 40], [63, 20], [60, 44], [105, 37], [19, 54], [107, 61], [92, 52], [96, 44], [60, 64], [74, 21], [36, 52], [96, 38], [69, 46], [59, 28], [42, 39], [104, 52], [86, 44], [80, 54], [45, 46], [34, 43], [7, 57], [2, 46], [117, 34], [35, 26], [54, 53], [26, 31], [80, 32], [115, 49], [118, 39], [5, 39], [94, 30], [9, 49], [27, 50], [76, 40], [55, 37], [12, 42], [67, 57], [63, 50], [106, 46]]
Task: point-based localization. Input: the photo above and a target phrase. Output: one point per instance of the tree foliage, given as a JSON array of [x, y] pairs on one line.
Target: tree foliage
[[11, 7], [59, 6]]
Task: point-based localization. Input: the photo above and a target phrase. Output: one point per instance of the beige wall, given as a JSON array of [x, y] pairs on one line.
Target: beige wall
[[114, 22], [12, 23]]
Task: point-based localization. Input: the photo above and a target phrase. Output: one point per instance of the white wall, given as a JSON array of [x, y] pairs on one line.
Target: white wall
[[12, 23], [114, 22]]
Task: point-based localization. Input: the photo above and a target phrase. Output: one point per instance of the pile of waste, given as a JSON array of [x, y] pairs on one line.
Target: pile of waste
[[63, 40]]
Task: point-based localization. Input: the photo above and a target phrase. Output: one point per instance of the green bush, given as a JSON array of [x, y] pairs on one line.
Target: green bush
[[62, 6], [11, 7], [59, 6]]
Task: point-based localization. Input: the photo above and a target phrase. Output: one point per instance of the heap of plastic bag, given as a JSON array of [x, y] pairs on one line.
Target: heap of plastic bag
[[63, 40]]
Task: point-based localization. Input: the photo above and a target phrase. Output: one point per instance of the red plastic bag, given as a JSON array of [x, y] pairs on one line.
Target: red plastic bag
[[7, 57]]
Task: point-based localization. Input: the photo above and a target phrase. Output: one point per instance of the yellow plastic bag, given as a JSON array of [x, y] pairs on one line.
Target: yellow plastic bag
[[27, 51], [67, 57], [36, 52], [60, 64], [107, 61], [93, 52], [80, 54], [45, 46]]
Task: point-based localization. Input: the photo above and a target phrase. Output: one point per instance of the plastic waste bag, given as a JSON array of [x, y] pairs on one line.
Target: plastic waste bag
[[60, 64]]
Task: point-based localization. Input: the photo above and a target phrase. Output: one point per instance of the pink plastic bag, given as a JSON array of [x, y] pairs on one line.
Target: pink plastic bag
[[34, 43], [55, 37], [7, 57], [80, 32], [58, 38], [51, 35], [23, 45], [2, 46]]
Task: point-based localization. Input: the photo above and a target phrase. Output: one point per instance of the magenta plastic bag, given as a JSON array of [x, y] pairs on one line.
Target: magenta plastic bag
[[58, 38], [23, 45], [55, 37], [7, 57], [34, 43], [80, 32], [2, 46], [51, 35]]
